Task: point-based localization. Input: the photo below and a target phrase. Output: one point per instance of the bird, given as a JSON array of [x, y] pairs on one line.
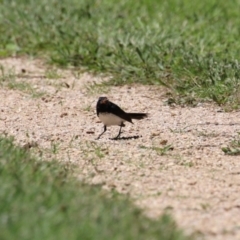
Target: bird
[[111, 114]]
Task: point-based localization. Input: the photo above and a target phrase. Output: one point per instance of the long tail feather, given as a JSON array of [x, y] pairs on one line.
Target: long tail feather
[[137, 115]]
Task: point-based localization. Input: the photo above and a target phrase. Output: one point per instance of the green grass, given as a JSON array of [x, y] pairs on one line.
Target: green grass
[[189, 46], [233, 147], [159, 150], [42, 200]]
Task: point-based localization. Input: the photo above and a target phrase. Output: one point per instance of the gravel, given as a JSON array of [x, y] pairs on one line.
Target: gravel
[[176, 164]]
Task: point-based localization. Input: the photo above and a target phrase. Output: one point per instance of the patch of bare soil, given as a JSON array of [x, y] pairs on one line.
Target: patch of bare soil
[[175, 165]]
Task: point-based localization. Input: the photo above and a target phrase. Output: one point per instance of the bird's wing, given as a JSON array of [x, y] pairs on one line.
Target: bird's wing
[[115, 109]]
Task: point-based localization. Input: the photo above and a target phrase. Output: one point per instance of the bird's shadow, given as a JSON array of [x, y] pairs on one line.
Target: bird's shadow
[[126, 138]]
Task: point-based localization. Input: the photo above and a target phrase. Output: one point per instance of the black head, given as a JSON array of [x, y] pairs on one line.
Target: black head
[[102, 100], [102, 104]]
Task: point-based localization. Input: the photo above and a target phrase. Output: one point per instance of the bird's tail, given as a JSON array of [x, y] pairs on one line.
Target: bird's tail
[[137, 115]]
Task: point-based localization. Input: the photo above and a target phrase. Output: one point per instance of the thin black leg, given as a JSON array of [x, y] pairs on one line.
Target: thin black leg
[[104, 130], [119, 133]]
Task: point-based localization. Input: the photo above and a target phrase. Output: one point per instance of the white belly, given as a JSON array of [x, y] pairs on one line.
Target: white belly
[[109, 119]]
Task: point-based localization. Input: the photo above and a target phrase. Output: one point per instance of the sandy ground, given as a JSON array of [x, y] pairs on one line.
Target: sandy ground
[[176, 164]]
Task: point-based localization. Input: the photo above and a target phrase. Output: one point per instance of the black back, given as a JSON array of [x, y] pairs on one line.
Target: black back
[[105, 106]]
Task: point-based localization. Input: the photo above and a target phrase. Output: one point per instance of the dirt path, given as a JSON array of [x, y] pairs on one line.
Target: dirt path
[[176, 166]]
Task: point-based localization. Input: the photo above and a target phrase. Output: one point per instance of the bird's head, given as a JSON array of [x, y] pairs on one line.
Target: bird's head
[[102, 100]]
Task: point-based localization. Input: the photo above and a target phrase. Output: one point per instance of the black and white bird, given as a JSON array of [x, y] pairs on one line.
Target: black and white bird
[[111, 114]]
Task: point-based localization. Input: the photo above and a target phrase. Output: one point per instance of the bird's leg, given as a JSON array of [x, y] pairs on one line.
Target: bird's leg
[[104, 130], [119, 133]]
